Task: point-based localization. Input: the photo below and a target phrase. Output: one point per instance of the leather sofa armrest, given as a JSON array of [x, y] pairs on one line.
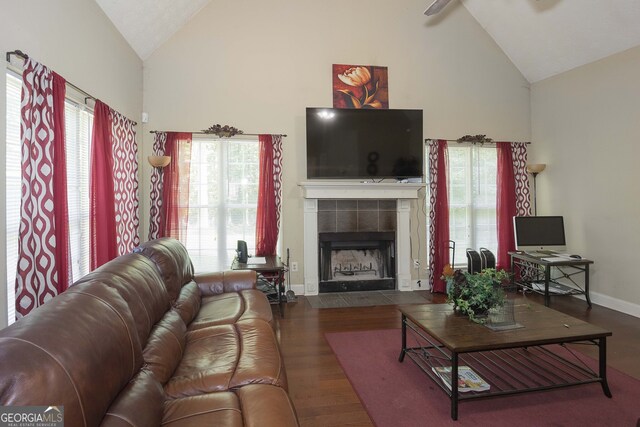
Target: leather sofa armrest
[[225, 281]]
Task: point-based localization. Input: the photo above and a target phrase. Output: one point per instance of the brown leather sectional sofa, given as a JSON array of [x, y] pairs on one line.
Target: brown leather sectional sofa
[[142, 342]]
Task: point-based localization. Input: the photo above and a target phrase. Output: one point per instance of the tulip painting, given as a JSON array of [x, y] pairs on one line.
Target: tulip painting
[[360, 86]]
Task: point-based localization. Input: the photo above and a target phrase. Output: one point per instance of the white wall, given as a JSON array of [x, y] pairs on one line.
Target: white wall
[[256, 65], [586, 128], [75, 39]]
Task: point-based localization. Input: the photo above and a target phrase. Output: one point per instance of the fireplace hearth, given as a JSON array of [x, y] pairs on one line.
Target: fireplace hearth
[[356, 261]]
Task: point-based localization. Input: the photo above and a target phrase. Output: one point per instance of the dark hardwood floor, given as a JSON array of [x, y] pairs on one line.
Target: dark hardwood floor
[[323, 396]]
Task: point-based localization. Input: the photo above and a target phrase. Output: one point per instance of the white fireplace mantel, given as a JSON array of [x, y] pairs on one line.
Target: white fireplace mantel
[[403, 193], [360, 190]]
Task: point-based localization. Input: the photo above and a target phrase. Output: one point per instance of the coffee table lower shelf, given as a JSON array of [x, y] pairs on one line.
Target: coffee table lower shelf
[[508, 371]]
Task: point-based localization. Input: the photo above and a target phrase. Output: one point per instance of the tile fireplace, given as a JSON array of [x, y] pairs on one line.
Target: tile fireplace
[[357, 235]]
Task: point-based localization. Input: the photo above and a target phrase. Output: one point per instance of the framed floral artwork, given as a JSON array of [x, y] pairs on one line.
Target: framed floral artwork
[[360, 86]]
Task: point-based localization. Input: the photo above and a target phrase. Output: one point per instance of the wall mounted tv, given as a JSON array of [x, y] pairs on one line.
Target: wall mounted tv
[[364, 144]]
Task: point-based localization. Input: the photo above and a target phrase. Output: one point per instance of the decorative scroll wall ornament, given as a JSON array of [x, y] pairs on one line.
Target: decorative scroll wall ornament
[[225, 131], [475, 139]]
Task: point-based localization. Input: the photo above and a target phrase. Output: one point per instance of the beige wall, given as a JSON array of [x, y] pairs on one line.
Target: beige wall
[[75, 39], [256, 65], [586, 128]]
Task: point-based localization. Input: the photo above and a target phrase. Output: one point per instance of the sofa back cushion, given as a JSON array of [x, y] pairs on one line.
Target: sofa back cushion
[[165, 347], [79, 350], [172, 260], [140, 404], [189, 302], [137, 280]]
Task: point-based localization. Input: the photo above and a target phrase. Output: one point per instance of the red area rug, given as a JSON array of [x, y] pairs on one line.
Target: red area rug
[[401, 395]]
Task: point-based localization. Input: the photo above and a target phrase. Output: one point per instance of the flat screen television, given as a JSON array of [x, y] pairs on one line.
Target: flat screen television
[[539, 233], [364, 144]]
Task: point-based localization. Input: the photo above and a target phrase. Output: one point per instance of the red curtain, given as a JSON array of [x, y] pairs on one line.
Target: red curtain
[[61, 209], [175, 186], [43, 269], [104, 245], [268, 212], [506, 205], [439, 214]]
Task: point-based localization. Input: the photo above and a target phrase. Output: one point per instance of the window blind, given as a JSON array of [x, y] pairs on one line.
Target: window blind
[[13, 172]]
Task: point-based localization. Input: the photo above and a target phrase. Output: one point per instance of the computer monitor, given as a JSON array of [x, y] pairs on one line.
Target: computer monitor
[[539, 233], [242, 251]]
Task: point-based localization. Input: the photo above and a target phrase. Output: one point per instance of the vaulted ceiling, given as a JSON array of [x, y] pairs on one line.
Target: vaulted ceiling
[[541, 37]]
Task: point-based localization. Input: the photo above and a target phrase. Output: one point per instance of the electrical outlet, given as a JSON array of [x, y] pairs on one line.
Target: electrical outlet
[[294, 266], [416, 264]]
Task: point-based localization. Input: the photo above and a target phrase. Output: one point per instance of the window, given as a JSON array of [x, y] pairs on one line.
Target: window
[[78, 125], [472, 199], [12, 198], [223, 197]]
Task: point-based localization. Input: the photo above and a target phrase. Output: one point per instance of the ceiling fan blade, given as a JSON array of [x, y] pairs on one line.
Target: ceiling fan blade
[[436, 7]]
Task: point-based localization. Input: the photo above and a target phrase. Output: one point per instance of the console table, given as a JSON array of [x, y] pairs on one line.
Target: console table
[[511, 362], [529, 270]]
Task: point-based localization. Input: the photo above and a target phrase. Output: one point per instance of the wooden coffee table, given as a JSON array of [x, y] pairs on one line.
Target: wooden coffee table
[[512, 361]]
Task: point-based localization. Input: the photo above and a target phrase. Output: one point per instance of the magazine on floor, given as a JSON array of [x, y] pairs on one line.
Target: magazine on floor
[[468, 380]]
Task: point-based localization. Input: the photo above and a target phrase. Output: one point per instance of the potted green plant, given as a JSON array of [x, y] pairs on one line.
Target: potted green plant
[[476, 294]]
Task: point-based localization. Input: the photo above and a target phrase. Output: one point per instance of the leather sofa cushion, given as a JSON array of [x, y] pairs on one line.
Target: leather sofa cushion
[[172, 260], [251, 406], [265, 405], [188, 303], [227, 308], [140, 404], [224, 357], [225, 281], [136, 278], [165, 347], [79, 350], [215, 409]]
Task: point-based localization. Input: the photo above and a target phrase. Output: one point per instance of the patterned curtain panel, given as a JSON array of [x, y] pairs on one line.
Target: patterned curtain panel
[[269, 195], [174, 211], [125, 182], [155, 195], [43, 269], [438, 214], [523, 192], [114, 186]]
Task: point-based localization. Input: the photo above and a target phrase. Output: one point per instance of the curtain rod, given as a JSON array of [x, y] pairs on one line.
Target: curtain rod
[[473, 142], [209, 133], [20, 54]]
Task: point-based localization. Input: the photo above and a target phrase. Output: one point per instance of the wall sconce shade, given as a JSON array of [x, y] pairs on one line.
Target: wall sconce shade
[[536, 168], [159, 161]]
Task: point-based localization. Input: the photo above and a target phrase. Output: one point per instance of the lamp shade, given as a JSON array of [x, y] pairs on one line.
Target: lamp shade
[[159, 161], [536, 167]]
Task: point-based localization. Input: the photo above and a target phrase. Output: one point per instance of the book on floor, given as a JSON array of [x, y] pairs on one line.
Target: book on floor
[[468, 379]]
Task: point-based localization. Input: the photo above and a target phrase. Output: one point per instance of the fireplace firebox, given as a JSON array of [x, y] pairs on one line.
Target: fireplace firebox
[[356, 261]]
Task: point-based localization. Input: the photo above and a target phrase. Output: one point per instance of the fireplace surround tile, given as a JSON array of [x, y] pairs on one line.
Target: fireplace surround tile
[[367, 205], [367, 220], [327, 205], [347, 205], [387, 205], [327, 221], [346, 221], [386, 221]]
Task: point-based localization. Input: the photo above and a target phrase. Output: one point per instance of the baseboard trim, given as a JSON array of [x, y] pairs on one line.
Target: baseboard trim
[[614, 304], [298, 289]]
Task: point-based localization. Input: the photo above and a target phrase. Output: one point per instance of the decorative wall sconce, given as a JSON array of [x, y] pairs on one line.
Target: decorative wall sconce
[[159, 161], [534, 169]]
